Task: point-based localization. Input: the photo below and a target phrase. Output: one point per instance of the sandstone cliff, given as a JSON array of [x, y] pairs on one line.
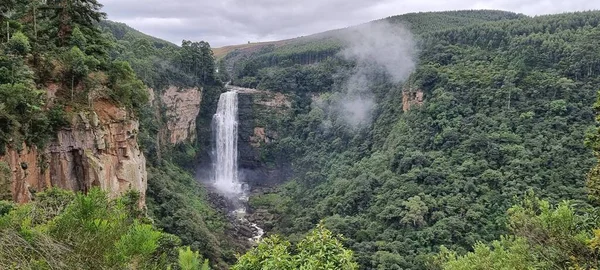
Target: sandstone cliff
[[100, 149], [182, 107], [410, 98]]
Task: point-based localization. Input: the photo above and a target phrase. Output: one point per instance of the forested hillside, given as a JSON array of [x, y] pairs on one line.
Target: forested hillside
[[247, 63], [439, 140], [59, 62], [499, 105], [176, 201]]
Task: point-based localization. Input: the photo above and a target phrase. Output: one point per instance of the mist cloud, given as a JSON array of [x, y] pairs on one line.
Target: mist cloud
[[375, 48]]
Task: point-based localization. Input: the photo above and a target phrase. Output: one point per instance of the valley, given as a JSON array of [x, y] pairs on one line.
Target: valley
[[433, 140]]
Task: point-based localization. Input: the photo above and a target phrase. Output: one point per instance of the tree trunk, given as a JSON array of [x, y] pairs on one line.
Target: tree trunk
[[34, 23], [72, 86]]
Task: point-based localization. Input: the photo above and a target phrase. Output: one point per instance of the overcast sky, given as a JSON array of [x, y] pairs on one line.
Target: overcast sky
[[229, 22]]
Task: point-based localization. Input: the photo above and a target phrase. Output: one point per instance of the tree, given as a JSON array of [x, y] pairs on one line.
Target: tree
[[415, 210], [542, 236], [68, 14], [7, 15], [320, 249], [126, 88], [190, 260], [77, 68], [63, 230], [18, 44], [78, 39], [508, 254], [197, 58]]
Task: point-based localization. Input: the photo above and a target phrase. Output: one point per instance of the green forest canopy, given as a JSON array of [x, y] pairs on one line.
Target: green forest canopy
[[508, 100], [507, 103]]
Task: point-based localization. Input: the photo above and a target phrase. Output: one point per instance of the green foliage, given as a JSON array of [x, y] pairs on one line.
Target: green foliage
[[5, 182], [558, 235], [75, 60], [542, 237], [140, 241], [179, 205], [77, 69], [190, 260], [78, 39], [270, 254], [18, 44], [507, 100], [57, 44], [415, 210], [68, 15], [319, 249], [62, 230], [6, 207], [13, 70], [424, 22], [125, 87], [64, 45], [593, 141], [197, 59], [504, 254], [159, 63], [22, 116]]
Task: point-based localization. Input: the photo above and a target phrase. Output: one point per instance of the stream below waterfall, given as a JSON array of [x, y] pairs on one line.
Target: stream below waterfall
[[225, 163]]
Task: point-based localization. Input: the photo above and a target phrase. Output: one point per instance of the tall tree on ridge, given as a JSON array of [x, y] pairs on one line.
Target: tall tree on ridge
[[69, 13]]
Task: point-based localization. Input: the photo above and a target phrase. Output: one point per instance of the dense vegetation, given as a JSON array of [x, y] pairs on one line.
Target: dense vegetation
[[62, 230], [50, 45], [176, 201], [64, 45], [451, 183], [297, 55], [507, 102], [160, 63], [542, 235], [179, 205], [319, 249]]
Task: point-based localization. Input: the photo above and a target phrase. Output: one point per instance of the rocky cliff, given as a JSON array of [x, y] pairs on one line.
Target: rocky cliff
[[411, 97], [100, 149], [259, 115], [181, 108]]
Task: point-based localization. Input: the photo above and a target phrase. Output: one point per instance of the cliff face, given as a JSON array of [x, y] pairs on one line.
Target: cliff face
[[99, 150], [182, 107], [258, 127], [410, 98]]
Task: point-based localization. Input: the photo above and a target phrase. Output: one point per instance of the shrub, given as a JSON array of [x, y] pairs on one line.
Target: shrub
[[18, 44]]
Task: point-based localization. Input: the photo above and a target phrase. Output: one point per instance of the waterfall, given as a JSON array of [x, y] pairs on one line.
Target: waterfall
[[225, 129], [225, 126]]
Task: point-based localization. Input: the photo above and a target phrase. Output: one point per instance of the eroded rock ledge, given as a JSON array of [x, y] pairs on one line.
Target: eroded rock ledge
[[100, 149]]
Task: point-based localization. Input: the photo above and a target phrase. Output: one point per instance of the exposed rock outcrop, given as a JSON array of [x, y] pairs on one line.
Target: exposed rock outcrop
[[258, 126], [100, 149], [182, 107], [411, 98]]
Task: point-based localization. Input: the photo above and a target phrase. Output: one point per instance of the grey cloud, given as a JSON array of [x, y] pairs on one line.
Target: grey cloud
[[227, 22]]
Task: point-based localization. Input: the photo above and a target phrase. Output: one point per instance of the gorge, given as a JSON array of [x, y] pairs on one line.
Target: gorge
[[226, 173], [450, 140], [225, 129]]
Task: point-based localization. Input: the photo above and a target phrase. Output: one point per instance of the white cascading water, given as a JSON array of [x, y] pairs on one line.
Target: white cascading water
[[225, 126]]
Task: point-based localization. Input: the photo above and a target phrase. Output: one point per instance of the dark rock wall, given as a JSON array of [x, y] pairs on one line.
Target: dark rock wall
[[254, 111]]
